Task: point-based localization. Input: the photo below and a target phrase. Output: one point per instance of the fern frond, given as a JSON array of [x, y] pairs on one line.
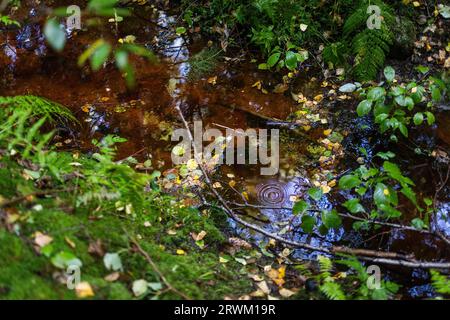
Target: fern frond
[[40, 107], [354, 263], [325, 264], [369, 46], [355, 21], [335, 53], [332, 291], [203, 63], [440, 282]]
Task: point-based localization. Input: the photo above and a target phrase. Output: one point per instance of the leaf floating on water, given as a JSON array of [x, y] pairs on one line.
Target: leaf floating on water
[[212, 80], [172, 86]]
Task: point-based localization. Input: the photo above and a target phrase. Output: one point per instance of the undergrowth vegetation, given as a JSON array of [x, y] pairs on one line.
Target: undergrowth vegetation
[[285, 29], [60, 209]]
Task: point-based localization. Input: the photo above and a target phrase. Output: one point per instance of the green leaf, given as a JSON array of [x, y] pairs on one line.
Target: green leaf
[[403, 129], [315, 193], [300, 207], [331, 219], [409, 103], [409, 193], [389, 73], [385, 155], [422, 69], [430, 118], [381, 195], [302, 56], [64, 259], [397, 91], [273, 59], [112, 262], [349, 181], [140, 51], [418, 95], [155, 286], [100, 56], [139, 287], [436, 94], [389, 211], [291, 60], [381, 117], [418, 118], [263, 66], [180, 30], [55, 35], [89, 52], [353, 205], [308, 223], [364, 107], [393, 170], [376, 93], [444, 11], [121, 57]]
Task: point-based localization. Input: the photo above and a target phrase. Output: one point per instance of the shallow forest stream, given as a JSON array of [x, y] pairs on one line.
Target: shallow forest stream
[[323, 142]]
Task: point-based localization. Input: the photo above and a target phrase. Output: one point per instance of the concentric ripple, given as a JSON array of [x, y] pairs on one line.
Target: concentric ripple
[[271, 194]]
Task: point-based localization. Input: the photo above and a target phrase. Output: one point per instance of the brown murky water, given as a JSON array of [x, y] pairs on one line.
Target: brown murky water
[[146, 116]]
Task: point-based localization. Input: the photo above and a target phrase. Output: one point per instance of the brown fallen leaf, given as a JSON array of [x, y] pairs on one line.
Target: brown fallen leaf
[[281, 88], [96, 248], [258, 294], [286, 293], [263, 287], [199, 236], [256, 277], [236, 242], [42, 239], [112, 277]]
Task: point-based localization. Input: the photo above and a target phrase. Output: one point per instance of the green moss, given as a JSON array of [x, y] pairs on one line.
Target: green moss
[[89, 213], [198, 273], [23, 274]]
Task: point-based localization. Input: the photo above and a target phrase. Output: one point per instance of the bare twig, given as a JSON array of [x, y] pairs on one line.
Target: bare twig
[[16, 200], [349, 216], [156, 269]]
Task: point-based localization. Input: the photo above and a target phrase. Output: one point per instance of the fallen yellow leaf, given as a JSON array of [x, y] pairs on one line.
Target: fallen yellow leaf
[[84, 290]]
